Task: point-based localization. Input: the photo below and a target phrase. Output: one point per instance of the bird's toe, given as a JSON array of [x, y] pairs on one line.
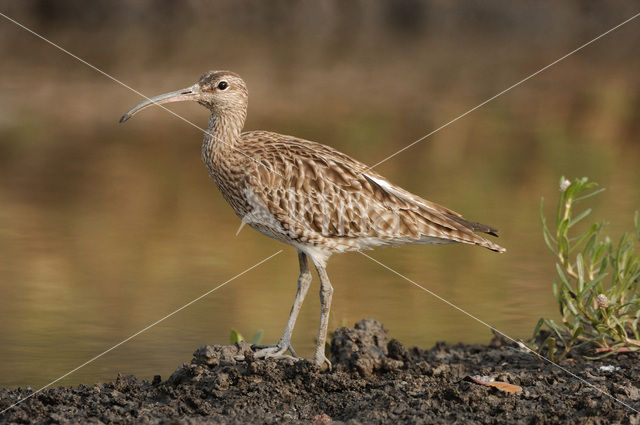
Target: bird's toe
[[274, 352], [320, 360]]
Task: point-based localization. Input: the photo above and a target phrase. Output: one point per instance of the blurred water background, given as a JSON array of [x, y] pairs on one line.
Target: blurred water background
[[105, 228]]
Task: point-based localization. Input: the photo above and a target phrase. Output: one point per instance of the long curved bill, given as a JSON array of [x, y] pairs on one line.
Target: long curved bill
[[189, 93]]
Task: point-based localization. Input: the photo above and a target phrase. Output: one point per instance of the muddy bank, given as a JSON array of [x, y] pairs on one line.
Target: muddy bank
[[373, 380]]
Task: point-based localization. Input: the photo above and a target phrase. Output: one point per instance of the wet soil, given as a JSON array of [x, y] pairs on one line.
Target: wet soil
[[373, 380]]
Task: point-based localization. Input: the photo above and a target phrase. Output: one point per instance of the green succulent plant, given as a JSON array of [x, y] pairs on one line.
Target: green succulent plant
[[597, 284]]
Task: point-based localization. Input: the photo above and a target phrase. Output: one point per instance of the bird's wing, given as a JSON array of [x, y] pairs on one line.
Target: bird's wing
[[314, 188]]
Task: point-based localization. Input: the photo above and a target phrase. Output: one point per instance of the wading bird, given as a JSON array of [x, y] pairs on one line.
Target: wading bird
[[309, 195]]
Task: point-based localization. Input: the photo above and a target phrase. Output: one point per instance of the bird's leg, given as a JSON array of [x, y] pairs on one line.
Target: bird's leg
[[326, 293], [304, 280]]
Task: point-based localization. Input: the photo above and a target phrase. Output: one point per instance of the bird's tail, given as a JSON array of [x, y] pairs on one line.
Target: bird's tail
[[479, 227], [475, 226]]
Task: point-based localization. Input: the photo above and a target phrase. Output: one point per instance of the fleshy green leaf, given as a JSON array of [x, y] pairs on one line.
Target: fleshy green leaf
[[580, 216], [257, 337], [235, 336], [589, 195]]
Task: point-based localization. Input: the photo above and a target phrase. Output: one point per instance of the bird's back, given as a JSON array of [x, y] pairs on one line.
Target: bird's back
[[309, 194]]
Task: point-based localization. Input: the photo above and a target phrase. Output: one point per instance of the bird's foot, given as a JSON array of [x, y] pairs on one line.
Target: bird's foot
[[275, 351], [320, 360]]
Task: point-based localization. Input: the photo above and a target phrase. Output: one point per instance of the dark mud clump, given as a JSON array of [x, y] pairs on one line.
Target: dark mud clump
[[373, 381]]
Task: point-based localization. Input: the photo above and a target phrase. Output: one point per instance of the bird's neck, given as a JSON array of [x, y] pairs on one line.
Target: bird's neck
[[222, 137]]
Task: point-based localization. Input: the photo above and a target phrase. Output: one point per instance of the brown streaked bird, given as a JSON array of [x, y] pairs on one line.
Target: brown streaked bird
[[309, 195]]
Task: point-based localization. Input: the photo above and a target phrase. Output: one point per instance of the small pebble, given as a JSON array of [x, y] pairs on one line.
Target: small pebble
[[609, 368]]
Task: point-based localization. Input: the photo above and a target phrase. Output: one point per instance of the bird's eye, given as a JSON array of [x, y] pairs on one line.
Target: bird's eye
[[222, 85]]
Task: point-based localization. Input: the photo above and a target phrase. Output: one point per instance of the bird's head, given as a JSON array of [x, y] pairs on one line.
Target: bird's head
[[222, 92]]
